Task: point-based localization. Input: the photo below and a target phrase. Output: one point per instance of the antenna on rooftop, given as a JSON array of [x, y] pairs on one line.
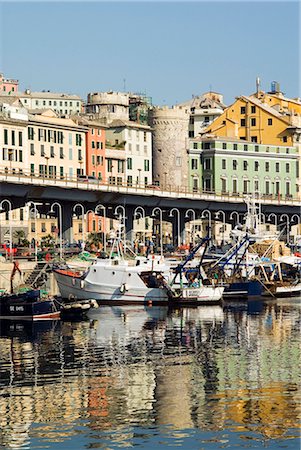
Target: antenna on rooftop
[[124, 86], [257, 85]]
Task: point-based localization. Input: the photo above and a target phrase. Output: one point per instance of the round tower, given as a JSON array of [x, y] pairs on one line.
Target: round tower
[[170, 140]]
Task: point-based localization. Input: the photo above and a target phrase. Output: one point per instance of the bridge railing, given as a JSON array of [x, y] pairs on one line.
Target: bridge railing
[[14, 176]]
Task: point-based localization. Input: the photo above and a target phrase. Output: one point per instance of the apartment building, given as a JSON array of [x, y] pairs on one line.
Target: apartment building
[[129, 153], [57, 146], [62, 104], [232, 166]]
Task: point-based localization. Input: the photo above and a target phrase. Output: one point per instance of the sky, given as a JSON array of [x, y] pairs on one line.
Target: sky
[[168, 50]]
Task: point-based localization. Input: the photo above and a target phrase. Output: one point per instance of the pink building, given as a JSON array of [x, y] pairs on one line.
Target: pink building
[[8, 86]]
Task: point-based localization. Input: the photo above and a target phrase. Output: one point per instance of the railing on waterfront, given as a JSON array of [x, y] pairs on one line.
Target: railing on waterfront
[[10, 175]]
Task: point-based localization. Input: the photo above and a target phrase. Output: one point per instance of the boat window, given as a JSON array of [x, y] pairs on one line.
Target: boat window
[[113, 273], [130, 274]]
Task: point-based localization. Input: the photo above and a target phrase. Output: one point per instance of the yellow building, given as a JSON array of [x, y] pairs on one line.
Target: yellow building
[[265, 118]]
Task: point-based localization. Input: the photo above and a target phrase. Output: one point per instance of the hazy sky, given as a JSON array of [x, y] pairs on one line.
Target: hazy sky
[[169, 50]]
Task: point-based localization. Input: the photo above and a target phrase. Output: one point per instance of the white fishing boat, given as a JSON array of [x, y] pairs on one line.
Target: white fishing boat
[[122, 278]]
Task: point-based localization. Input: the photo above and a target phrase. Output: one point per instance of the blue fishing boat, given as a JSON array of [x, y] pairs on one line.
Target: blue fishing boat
[[29, 305]]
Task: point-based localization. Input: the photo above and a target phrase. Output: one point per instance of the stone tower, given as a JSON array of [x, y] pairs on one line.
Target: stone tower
[[170, 136]]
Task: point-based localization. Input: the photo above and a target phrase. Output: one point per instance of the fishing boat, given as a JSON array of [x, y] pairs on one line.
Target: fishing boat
[[190, 285], [123, 278], [29, 305]]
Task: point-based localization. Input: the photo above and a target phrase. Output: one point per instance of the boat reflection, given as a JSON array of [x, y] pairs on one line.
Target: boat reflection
[[200, 369]]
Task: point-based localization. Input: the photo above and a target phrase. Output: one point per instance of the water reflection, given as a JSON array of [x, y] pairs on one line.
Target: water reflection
[[219, 376]]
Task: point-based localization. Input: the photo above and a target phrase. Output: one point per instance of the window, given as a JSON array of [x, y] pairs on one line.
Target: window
[[234, 146], [270, 122], [130, 180], [42, 150], [78, 139], [245, 165], [32, 169], [30, 133], [277, 167], [61, 172], [194, 164], [144, 136], [195, 145], [287, 188], [256, 185], [120, 166], [207, 164], [245, 147], [32, 152], [224, 185], [20, 139], [267, 166], [146, 165], [245, 186], [253, 109], [13, 141], [52, 151], [267, 187], [287, 167], [224, 146], [287, 151], [129, 163], [21, 155], [234, 186], [242, 110], [224, 164], [256, 148], [256, 166], [253, 138], [109, 165], [61, 153], [253, 122], [70, 154], [206, 145], [93, 144], [284, 138], [93, 160], [234, 164], [242, 122]]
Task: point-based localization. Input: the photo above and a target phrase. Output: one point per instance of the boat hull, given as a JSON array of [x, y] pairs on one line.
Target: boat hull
[[81, 289], [243, 290], [27, 306], [200, 295]]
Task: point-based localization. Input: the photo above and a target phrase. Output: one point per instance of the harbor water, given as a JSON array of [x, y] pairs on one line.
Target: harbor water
[[209, 377]]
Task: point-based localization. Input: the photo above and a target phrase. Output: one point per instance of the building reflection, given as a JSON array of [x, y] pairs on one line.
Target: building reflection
[[209, 368]]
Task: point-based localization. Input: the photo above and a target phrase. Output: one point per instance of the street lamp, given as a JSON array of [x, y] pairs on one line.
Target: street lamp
[[52, 212], [79, 205], [97, 207], [154, 212], [35, 211], [287, 225], [139, 211], [224, 221], [192, 233], [209, 221], [275, 219], [237, 216], [178, 224], [121, 221], [10, 225]]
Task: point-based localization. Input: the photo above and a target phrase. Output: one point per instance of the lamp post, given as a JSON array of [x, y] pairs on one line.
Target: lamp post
[[154, 212], [209, 221], [224, 221], [298, 220], [52, 212], [287, 226], [237, 216], [178, 223], [97, 207], [139, 211], [10, 225], [275, 219], [192, 233], [79, 205], [121, 221], [35, 211]]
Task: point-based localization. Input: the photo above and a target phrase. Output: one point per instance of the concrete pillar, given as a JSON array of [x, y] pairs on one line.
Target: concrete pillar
[[67, 230]]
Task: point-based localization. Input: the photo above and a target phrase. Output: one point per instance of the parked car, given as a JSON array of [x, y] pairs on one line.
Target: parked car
[[87, 179]]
